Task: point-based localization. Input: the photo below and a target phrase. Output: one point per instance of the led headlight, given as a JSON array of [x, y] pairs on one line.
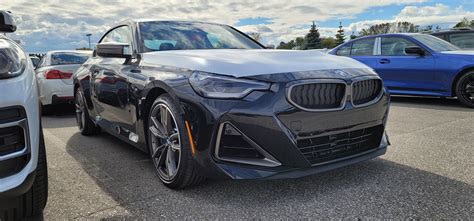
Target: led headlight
[[219, 86], [12, 59]]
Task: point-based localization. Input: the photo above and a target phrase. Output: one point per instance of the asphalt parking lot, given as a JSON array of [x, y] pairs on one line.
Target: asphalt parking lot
[[428, 172]]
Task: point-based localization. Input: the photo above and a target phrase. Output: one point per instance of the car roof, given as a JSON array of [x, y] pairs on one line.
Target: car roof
[[453, 31]]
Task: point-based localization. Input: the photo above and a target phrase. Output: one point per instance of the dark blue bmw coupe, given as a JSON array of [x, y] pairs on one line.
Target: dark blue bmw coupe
[[416, 64]]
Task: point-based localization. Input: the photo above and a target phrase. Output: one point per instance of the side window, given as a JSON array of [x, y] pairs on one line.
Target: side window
[[364, 47], [344, 50], [395, 46], [463, 40], [121, 34]]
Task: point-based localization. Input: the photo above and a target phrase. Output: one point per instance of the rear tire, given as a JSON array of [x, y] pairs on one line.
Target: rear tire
[[173, 139], [33, 202], [47, 109], [86, 126], [465, 89]]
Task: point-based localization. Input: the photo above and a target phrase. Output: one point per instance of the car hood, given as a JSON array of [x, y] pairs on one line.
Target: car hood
[[246, 63], [463, 52]]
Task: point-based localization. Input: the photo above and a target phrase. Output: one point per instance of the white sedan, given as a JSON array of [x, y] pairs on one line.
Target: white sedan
[[54, 75]]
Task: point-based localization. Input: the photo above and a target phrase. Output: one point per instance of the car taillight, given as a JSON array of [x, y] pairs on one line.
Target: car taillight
[[56, 74]]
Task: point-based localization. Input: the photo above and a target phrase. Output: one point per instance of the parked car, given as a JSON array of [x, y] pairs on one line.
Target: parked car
[[54, 75], [23, 172], [205, 100], [463, 38], [416, 64]]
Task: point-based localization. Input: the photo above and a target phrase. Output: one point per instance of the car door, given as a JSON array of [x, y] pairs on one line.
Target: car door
[[363, 51], [109, 82], [403, 72]]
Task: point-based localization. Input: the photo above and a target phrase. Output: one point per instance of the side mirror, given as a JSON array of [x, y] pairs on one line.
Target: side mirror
[[415, 50], [114, 50], [7, 24]]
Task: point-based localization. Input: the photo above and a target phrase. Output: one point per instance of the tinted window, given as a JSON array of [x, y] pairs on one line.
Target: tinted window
[[395, 46], [68, 58], [160, 36], [463, 40], [364, 47], [435, 43], [119, 35], [344, 50]]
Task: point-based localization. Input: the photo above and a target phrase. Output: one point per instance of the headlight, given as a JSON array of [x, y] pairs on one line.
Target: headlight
[[12, 59], [218, 86]]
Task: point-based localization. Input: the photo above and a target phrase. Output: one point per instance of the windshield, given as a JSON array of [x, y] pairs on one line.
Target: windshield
[[161, 36], [435, 44], [68, 58]]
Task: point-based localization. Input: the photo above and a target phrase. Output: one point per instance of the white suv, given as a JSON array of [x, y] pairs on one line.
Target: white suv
[[23, 172]]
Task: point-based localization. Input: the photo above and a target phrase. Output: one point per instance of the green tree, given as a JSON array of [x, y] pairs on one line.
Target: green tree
[[465, 23], [340, 36], [395, 27], [300, 43], [313, 41], [290, 45], [328, 42], [353, 36]]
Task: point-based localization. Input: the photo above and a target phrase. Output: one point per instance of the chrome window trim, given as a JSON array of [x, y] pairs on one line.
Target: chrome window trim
[[23, 123], [363, 78], [268, 161], [316, 81]]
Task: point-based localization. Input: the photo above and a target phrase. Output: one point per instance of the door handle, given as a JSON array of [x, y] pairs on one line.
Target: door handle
[[384, 61]]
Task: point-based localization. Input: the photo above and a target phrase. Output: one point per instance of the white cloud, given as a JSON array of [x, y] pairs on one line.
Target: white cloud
[[62, 24], [438, 14]]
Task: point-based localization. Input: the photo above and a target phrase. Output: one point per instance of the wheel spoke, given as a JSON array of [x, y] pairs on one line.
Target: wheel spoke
[[157, 150], [161, 160], [157, 129], [174, 142], [164, 115], [170, 162]]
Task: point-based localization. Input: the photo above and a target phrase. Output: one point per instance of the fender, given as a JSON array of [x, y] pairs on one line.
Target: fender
[[458, 75]]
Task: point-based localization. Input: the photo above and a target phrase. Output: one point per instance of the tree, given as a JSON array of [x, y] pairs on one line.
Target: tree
[[328, 42], [300, 43], [256, 36], [465, 23], [340, 36], [395, 27], [353, 36], [313, 41], [290, 45]]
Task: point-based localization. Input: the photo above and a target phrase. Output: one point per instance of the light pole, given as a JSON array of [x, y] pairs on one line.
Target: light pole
[[89, 36]]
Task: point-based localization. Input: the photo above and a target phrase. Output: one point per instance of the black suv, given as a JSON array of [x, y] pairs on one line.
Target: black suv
[[463, 38]]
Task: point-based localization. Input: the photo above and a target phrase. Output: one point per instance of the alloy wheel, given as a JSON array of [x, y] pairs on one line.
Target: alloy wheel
[[467, 88], [165, 142], [80, 117]]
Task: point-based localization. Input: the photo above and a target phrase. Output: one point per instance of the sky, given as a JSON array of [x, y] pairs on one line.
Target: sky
[[45, 25]]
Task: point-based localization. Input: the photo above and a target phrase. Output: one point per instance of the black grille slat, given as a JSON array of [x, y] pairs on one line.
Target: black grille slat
[[366, 91], [331, 147], [318, 95], [12, 139]]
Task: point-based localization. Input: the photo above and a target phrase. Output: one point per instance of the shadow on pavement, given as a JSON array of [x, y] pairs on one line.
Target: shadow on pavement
[[376, 188]]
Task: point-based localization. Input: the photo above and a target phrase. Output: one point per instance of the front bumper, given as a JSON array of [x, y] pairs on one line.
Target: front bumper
[[277, 127], [20, 93]]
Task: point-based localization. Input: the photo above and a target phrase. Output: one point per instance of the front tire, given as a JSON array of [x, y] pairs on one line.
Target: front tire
[[169, 147], [465, 89], [86, 126]]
